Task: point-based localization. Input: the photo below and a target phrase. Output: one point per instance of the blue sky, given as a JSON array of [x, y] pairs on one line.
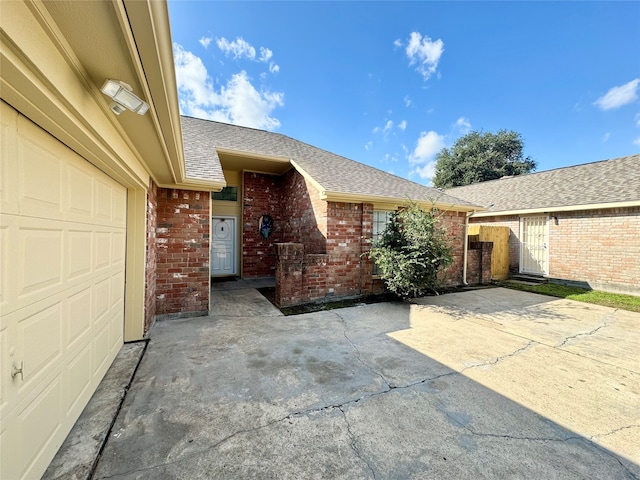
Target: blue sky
[[392, 83]]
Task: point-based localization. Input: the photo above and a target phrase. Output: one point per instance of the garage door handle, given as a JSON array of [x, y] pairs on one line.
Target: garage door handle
[[15, 371]]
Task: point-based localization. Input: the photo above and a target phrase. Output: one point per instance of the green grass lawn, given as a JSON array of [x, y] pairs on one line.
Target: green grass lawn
[[616, 300]]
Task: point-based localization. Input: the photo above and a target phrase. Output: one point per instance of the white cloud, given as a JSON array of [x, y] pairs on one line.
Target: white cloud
[[205, 41], [428, 145], [368, 145], [637, 119], [424, 52], [407, 101], [606, 137], [427, 171], [463, 125], [375, 130], [237, 102], [265, 54], [388, 126], [637, 141], [402, 125], [619, 96], [274, 68], [397, 43], [239, 48]]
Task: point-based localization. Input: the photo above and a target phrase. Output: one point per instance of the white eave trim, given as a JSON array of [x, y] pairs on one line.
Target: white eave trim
[[196, 184], [565, 208]]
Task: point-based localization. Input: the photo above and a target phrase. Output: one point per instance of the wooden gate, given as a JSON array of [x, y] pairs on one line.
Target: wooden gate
[[500, 255]]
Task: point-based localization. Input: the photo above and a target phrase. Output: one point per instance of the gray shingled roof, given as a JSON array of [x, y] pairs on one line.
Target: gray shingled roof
[[201, 159], [336, 174], [607, 181]]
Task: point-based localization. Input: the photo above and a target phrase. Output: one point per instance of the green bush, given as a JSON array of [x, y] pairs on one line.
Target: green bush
[[413, 252]]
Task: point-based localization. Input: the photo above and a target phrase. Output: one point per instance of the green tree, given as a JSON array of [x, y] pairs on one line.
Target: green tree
[[413, 252], [478, 156]]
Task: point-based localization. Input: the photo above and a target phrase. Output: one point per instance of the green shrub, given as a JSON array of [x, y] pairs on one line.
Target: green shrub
[[413, 252]]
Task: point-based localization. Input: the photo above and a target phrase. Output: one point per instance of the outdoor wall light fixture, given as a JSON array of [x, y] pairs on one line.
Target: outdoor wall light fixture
[[124, 98]]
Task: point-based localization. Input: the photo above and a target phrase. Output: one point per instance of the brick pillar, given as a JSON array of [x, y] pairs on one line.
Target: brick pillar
[[289, 264], [487, 251]]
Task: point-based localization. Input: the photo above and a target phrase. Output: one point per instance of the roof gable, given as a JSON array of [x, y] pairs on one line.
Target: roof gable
[[336, 177], [591, 184]]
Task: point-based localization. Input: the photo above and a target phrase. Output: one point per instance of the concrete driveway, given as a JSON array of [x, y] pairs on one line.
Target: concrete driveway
[[489, 383]]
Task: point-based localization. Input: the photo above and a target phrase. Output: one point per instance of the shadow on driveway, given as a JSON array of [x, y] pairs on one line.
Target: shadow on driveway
[[467, 385]]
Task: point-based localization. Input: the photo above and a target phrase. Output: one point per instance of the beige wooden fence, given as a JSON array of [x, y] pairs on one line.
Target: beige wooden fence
[[500, 255]]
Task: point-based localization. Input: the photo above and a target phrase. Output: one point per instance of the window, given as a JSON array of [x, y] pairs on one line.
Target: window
[[380, 221], [229, 194]]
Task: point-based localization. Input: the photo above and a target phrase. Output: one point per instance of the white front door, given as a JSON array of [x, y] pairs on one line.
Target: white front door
[[223, 246], [534, 242]]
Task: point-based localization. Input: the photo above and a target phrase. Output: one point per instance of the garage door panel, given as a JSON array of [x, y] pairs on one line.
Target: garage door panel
[[8, 170], [4, 260], [78, 253], [63, 242], [118, 242], [38, 426], [40, 258], [39, 174], [101, 349], [79, 324], [78, 375], [103, 202], [119, 211], [7, 391], [116, 331], [48, 261], [102, 255], [79, 194], [40, 344], [101, 301]]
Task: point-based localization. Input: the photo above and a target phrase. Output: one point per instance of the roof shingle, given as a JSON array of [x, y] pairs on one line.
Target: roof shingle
[[336, 174], [606, 181]]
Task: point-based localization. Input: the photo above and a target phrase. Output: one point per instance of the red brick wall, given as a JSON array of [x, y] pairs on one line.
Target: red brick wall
[[183, 220], [304, 278], [479, 263], [454, 222], [305, 215], [599, 247], [596, 247], [262, 195], [151, 257]]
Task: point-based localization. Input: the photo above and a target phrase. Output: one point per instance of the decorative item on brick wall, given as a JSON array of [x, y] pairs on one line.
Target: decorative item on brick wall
[[265, 226]]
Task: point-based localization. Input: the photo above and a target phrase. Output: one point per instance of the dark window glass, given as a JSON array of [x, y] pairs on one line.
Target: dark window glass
[[229, 194]]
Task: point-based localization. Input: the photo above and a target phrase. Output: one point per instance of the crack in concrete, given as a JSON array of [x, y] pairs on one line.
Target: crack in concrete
[[577, 438], [454, 420], [613, 432], [200, 452], [605, 323], [357, 351], [501, 357], [354, 445]]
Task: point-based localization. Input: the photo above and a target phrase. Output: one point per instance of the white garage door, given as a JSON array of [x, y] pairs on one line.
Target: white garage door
[[62, 254]]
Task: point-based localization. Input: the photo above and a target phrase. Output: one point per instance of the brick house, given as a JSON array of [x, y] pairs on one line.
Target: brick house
[[576, 225], [322, 211], [106, 216]]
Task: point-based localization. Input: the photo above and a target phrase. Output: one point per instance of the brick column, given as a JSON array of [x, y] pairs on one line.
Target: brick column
[[485, 262], [289, 265]]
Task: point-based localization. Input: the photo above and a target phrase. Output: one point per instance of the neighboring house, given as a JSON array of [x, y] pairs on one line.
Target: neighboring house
[[577, 225], [104, 226]]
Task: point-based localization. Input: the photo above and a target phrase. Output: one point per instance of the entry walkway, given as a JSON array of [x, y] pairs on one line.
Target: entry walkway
[[484, 384]]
